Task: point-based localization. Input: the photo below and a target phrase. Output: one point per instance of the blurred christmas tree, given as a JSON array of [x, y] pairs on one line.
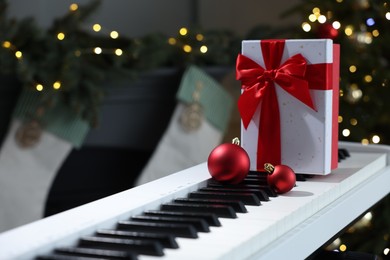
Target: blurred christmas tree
[[362, 28]]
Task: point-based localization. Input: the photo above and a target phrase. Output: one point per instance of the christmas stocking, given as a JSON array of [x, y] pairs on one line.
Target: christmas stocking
[[196, 126], [29, 159]]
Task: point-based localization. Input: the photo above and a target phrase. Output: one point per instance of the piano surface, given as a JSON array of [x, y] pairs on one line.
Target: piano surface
[[289, 226]]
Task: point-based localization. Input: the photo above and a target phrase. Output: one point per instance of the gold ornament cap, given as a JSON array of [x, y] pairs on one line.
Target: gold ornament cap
[[269, 167], [236, 141]]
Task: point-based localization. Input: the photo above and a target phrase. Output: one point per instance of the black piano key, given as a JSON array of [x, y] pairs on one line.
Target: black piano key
[[210, 218], [259, 193], [222, 211], [262, 174], [254, 181], [92, 252], [177, 230], [300, 177], [261, 177], [136, 246], [267, 189], [257, 175], [341, 156], [246, 197], [261, 184], [167, 240], [68, 257], [237, 205], [199, 224], [343, 153]]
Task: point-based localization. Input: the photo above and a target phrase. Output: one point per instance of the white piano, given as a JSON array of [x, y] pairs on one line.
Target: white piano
[[289, 226]]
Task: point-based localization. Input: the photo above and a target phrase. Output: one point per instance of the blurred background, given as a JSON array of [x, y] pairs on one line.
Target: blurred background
[[135, 19], [106, 67]]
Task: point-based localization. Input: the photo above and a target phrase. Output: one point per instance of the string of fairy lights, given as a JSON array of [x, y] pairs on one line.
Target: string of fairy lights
[[187, 47], [365, 34], [19, 56], [97, 50]]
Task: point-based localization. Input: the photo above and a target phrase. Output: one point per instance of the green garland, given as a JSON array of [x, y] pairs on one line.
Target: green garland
[[61, 63]]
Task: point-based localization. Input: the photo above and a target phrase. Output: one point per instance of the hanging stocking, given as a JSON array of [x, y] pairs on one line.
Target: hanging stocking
[[196, 126], [29, 160]]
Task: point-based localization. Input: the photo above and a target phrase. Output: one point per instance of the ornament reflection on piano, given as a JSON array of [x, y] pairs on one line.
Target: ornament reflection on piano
[[228, 163], [281, 177]]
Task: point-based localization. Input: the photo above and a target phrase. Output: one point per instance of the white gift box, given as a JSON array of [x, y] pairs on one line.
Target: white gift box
[[308, 138]]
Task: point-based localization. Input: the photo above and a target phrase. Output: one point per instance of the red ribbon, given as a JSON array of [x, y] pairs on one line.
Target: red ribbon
[[258, 86]]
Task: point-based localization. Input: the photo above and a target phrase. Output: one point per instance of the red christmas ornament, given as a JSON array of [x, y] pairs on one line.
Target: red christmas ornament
[[327, 31], [281, 177], [228, 163]]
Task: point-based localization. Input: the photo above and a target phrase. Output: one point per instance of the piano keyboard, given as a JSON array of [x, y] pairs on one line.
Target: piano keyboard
[[187, 215]]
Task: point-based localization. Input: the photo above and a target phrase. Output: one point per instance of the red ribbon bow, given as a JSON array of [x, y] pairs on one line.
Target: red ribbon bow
[[258, 86]]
